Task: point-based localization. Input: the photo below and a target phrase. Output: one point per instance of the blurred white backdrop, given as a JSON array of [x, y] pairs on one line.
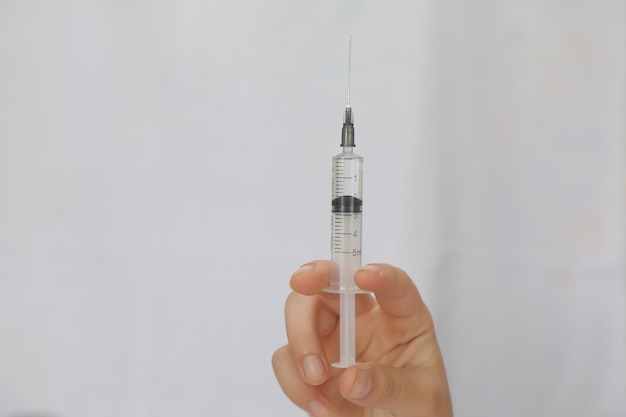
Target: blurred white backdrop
[[165, 166]]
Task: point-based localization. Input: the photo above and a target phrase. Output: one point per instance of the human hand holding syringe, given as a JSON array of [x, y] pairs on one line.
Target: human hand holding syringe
[[401, 371]]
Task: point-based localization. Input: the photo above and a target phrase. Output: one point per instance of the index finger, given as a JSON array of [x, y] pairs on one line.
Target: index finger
[[395, 292], [311, 278]]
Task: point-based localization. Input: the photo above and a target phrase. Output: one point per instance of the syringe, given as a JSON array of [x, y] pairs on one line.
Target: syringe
[[347, 192]]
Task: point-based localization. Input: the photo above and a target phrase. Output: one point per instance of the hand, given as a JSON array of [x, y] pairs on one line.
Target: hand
[[401, 371]]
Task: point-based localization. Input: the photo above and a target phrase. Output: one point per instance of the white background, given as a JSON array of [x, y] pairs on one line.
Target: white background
[[165, 166]]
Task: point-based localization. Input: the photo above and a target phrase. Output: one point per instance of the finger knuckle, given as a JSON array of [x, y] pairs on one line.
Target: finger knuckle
[[391, 389], [279, 357]]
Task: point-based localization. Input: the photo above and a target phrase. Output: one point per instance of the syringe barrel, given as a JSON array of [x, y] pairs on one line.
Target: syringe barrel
[[346, 220]]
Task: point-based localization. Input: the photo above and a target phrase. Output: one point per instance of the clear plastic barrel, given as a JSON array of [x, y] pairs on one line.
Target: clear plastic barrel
[[346, 220]]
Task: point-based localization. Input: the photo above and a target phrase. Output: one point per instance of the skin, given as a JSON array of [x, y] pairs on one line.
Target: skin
[[400, 371]]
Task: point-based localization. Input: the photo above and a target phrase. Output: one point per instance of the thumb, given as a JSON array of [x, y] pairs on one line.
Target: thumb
[[404, 391]]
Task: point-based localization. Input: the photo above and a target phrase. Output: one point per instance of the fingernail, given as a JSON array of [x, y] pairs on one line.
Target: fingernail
[[318, 408], [313, 368], [362, 385], [372, 268], [305, 268]]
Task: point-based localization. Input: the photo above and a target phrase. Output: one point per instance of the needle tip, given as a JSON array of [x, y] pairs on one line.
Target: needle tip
[[349, 66]]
